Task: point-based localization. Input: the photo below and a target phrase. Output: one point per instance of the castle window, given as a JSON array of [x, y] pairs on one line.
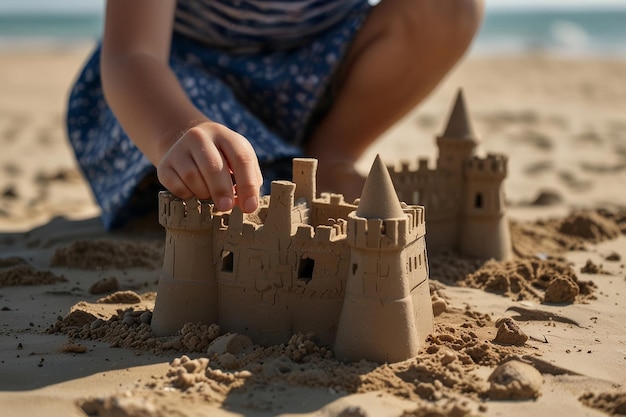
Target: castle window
[[305, 271], [420, 258], [478, 200], [228, 261], [354, 268]]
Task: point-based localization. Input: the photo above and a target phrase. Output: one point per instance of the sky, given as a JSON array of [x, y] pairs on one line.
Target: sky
[[81, 6]]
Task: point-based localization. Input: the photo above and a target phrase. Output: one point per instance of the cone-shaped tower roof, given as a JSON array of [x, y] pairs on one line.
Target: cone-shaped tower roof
[[458, 124], [379, 199]]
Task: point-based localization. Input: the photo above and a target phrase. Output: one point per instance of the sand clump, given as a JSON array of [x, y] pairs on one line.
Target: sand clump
[[105, 253], [590, 225], [22, 275], [554, 237], [72, 347], [531, 279], [130, 329], [104, 285], [509, 333], [591, 267], [515, 380], [121, 297], [122, 406], [613, 403], [561, 290], [613, 257]]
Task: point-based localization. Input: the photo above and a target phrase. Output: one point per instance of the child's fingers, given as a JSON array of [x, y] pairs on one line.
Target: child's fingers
[[201, 162], [211, 165], [170, 179], [194, 167], [243, 163]]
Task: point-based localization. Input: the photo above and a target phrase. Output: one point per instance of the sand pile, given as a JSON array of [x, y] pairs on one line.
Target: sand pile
[[23, 274], [551, 238], [612, 403], [548, 281], [107, 253], [232, 363], [228, 363]]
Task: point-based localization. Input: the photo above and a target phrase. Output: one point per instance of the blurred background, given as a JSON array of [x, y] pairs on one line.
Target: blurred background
[[567, 27], [544, 82]]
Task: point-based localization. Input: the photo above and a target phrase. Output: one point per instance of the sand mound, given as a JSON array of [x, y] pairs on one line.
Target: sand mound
[[509, 333], [556, 236], [130, 328], [441, 371], [27, 275], [613, 403], [95, 254], [104, 285], [549, 281], [590, 225], [515, 380], [121, 297], [301, 362]]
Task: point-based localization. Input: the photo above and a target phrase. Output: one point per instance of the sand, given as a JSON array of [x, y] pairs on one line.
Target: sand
[[541, 335]]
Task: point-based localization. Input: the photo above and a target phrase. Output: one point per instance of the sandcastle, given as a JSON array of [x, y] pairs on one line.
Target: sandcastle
[[355, 275], [463, 195]]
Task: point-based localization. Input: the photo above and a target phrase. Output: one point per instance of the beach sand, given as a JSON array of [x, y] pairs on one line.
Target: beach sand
[[74, 300]]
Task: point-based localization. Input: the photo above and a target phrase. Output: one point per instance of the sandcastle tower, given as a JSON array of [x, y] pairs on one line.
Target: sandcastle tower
[[187, 289], [484, 225], [456, 145], [463, 195], [387, 311]]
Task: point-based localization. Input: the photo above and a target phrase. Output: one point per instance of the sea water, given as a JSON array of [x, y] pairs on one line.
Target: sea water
[[567, 31]]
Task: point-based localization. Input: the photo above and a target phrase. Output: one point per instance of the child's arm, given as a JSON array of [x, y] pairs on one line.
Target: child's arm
[[193, 155]]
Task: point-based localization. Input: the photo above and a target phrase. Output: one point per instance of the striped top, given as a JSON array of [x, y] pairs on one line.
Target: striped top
[[254, 25]]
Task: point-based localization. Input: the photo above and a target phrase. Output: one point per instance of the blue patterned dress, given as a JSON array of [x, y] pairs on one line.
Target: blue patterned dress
[[263, 68]]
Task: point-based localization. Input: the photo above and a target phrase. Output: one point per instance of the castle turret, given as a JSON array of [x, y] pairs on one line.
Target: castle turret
[[458, 142], [187, 286], [304, 171], [484, 225], [379, 319]]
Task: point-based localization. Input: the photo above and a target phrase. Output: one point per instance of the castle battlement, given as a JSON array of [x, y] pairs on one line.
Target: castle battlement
[[308, 263], [288, 267], [493, 165], [406, 173], [191, 214], [462, 194]]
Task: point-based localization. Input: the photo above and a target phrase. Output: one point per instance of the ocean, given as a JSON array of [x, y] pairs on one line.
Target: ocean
[[562, 31], [566, 32]]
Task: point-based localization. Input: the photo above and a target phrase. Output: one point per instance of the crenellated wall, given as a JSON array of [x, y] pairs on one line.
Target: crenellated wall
[[264, 279]]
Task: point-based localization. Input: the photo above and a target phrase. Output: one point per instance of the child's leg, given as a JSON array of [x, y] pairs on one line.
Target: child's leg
[[401, 53]]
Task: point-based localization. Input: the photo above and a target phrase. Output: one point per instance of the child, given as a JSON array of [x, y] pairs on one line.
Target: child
[[212, 97]]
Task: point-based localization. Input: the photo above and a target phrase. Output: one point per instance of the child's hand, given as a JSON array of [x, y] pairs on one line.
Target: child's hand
[[203, 162]]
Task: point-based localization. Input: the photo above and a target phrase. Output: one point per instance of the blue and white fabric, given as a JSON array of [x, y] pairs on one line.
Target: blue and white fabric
[[270, 94]]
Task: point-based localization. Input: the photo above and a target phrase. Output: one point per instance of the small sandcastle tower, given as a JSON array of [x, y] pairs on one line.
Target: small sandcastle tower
[[355, 275], [384, 292], [463, 195]]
